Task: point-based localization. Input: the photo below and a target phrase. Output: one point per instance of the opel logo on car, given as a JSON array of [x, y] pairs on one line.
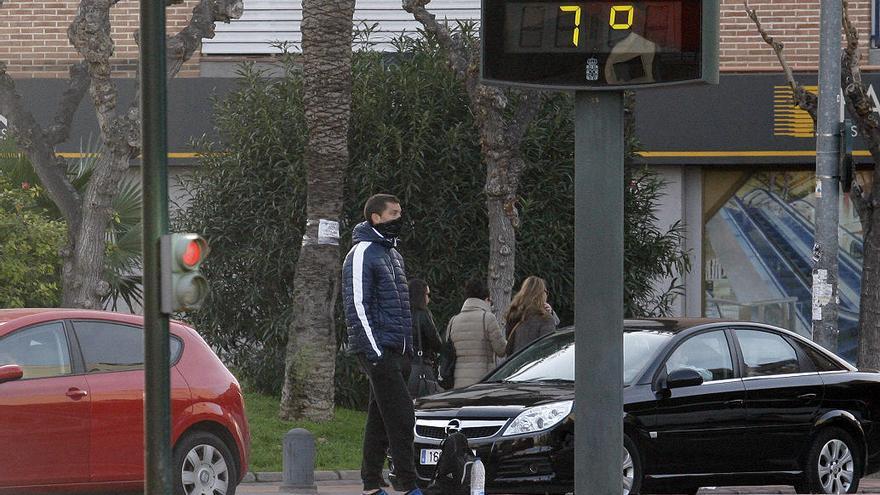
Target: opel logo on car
[[453, 427]]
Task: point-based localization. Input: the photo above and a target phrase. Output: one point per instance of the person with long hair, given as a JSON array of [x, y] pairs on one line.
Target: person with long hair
[[529, 316], [423, 327]]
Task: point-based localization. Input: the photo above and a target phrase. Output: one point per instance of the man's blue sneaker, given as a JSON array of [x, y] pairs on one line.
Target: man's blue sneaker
[[417, 491]]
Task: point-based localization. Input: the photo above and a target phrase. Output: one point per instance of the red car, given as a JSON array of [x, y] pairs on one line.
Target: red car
[[72, 406]]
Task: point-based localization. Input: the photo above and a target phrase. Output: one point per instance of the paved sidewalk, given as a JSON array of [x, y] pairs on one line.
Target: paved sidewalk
[[351, 487]]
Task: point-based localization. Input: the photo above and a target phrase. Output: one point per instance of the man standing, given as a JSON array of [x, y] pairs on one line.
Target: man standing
[[380, 335]]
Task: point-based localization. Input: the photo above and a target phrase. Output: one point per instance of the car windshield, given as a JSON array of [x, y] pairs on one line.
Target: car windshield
[[552, 358]]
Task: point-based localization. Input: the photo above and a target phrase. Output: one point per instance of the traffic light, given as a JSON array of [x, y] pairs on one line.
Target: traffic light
[[183, 286]]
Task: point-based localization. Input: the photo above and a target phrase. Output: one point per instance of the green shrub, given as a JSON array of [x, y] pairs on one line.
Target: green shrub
[[30, 266]]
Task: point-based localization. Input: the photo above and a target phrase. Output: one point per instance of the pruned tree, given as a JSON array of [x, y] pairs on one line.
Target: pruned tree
[[88, 212], [861, 108], [502, 118], [310, 361]]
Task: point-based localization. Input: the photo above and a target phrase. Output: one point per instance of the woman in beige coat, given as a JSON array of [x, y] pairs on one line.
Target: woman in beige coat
[[476, 335]]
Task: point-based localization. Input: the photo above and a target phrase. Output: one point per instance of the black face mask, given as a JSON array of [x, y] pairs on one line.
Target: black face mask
[[390, 230]]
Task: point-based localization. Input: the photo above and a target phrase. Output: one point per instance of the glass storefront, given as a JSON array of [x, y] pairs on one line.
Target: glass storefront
[[758, 250]]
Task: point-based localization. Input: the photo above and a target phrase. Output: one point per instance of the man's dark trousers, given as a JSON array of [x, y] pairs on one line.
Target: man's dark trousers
[[390, 421]]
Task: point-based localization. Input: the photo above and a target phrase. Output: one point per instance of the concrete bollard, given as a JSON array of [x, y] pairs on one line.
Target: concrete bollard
[[299, 463]]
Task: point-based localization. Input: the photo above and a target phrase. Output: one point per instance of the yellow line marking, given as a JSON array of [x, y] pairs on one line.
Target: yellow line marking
[[71, 155], [646, 154], [720, 154]]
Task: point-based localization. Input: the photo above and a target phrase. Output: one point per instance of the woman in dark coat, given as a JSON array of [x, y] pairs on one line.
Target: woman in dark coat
[[424, 329], [529, 316]]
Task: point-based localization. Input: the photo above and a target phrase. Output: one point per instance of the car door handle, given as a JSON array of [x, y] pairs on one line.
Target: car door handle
[[75, 393], [735, 403], [807, 397]]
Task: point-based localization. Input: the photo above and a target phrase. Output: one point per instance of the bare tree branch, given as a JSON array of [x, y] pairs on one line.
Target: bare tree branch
[[77, 86], [206, 14], [181, 47], [458, 54], [861, 107], [807, 101], [30, 137], [89, 33]]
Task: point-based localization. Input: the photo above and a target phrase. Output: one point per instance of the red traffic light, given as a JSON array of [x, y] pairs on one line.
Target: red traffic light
[[183, 287], [192, 254], [188, 251]]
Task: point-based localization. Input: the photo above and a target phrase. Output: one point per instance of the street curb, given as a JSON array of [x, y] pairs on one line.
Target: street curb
[[275, 477], [346, 475], [268, 477]]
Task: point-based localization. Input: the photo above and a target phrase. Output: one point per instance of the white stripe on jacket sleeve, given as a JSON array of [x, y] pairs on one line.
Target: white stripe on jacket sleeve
[[357, 284]]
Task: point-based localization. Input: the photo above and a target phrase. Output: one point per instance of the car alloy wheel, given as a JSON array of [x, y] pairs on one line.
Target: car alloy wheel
[[204, 466], [836, 467], [632, 468], [627, 472], [833, 463]]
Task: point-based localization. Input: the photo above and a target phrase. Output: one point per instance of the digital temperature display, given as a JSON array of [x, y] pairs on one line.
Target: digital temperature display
[[593, 43]]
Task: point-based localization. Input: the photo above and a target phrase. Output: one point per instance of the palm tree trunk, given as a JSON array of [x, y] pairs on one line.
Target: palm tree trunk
[[311, 348]]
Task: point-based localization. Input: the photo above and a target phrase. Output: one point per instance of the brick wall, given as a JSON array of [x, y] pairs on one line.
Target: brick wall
[[793, 22], [33, 36]]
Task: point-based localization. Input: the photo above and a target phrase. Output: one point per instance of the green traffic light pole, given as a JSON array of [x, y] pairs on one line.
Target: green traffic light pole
[[157, 408]]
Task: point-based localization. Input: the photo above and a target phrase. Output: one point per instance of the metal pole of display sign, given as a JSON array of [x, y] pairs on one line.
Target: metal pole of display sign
[[153, 103], [599, 151], [825, 269]]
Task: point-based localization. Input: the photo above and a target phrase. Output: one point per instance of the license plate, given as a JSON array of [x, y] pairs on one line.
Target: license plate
[[429, 457]]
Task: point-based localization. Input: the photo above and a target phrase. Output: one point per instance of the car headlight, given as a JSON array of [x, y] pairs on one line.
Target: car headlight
[[539, 418]]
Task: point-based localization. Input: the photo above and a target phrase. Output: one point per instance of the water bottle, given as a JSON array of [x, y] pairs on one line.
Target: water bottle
[[478, 478]]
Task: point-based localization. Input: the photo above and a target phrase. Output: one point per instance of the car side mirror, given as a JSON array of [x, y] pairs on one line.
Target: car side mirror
[[10, 372], [683, 377]]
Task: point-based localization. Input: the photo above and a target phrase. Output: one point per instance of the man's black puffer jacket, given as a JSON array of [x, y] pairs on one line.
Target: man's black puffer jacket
[[376, 296]]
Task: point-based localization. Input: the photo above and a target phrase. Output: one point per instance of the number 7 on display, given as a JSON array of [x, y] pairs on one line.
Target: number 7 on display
[[577, 21]]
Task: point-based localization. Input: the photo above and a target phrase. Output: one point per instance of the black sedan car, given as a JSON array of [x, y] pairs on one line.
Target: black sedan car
[[705, 403]]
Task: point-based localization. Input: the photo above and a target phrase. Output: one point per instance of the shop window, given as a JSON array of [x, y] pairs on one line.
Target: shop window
[[758, 250]]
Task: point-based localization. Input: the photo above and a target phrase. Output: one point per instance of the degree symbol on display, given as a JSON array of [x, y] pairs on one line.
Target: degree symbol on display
[[622, 13]]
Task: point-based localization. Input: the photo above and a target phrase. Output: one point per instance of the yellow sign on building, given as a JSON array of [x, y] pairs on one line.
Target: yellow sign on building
[[789, 119]]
